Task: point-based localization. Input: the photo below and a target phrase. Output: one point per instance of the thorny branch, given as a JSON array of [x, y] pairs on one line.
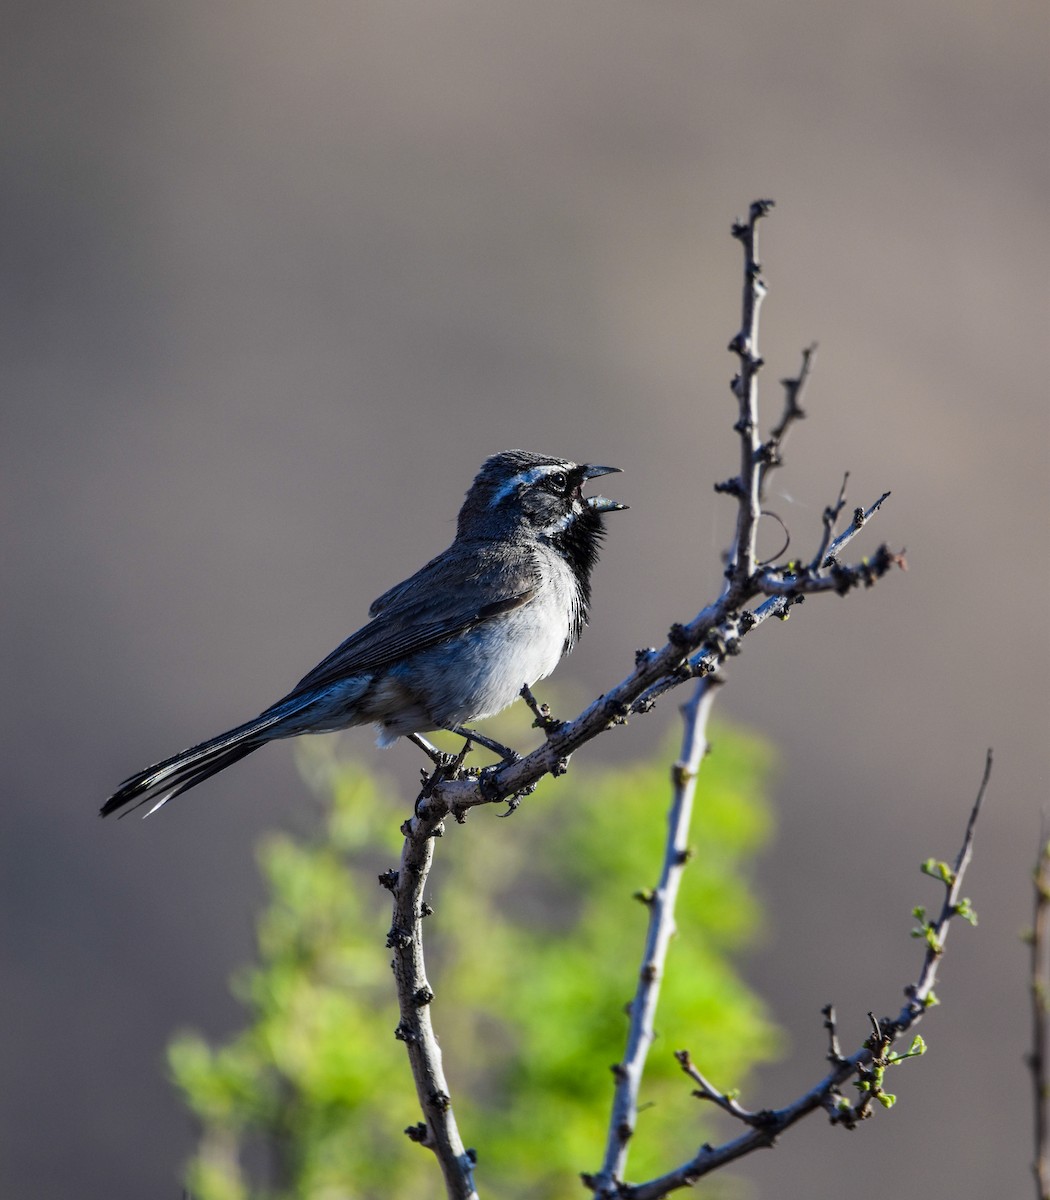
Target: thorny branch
[[661, 903], [868, 1063], [757, 460], [693, 651], [439, 1131]]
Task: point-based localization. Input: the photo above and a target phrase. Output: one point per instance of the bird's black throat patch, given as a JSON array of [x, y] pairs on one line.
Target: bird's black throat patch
[[579, 543]]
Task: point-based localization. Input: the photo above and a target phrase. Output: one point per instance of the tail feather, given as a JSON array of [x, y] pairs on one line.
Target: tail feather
[[165, 780]]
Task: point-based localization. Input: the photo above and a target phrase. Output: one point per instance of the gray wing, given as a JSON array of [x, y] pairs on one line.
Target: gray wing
[[453, 593]]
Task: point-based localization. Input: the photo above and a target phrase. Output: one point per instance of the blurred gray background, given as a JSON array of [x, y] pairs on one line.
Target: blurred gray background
[[277, 277]]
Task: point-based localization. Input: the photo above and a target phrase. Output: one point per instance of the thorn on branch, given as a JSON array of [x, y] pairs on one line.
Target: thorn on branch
[[398, 939], [715, 645], [678, 636], [618, 711], [768, 455], [541, 712], [742, 230], [730, 487], [681, 774]]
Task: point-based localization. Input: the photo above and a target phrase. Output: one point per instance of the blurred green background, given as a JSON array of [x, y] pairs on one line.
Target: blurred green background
[[533, 950]]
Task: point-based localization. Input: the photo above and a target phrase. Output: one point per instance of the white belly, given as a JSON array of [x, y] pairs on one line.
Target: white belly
[[482, 671]]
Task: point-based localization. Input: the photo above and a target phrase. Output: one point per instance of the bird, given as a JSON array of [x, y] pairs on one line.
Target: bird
[[456, 642]]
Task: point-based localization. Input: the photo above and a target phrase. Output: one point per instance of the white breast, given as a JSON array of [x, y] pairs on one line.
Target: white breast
[[485, 668]]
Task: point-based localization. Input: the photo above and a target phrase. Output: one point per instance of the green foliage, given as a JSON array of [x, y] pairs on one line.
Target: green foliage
[[872, 1078], [532, 951], [937, 869]]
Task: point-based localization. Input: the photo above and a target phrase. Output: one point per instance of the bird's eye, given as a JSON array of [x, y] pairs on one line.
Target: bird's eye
[[558, 481]]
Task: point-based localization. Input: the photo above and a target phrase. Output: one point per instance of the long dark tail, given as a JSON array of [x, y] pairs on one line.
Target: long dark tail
[[166, 780]]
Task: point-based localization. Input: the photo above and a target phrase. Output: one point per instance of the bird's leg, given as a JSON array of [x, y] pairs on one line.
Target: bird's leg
[[505, 752], [438, 757]]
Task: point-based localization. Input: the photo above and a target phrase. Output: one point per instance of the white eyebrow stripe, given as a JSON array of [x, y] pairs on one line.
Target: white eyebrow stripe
[[523, 478]]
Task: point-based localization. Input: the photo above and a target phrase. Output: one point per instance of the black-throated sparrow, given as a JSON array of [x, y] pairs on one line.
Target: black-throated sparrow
[[456, 642]]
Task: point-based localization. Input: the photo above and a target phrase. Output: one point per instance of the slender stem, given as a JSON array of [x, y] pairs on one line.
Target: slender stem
[[661, 904], [793, 390], [440, 1132], [769, 1124], [745, 346]]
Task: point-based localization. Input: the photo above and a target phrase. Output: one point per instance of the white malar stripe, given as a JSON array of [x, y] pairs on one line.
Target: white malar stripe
[[563, 522], [523, 478]]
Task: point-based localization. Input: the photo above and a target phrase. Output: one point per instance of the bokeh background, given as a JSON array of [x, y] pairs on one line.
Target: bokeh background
[[277, 277]]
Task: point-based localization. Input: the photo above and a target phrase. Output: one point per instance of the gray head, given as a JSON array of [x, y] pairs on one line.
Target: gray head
[[521, 491], [521, 496]]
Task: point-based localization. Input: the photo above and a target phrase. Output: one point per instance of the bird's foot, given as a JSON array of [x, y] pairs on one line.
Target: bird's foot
[[505, 752], [439, 758]]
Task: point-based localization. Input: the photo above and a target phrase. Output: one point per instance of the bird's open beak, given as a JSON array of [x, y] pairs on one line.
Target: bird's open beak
[[602, 503]]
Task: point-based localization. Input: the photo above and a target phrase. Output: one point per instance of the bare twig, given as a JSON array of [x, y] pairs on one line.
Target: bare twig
[[542, 712], [860, 518], [661, 902], [830, 520], [745, 387], [793, 389], [1039, 942], [831, 1025], [439, 1132], [767, 1125], [706, 1090], [793, 411]]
